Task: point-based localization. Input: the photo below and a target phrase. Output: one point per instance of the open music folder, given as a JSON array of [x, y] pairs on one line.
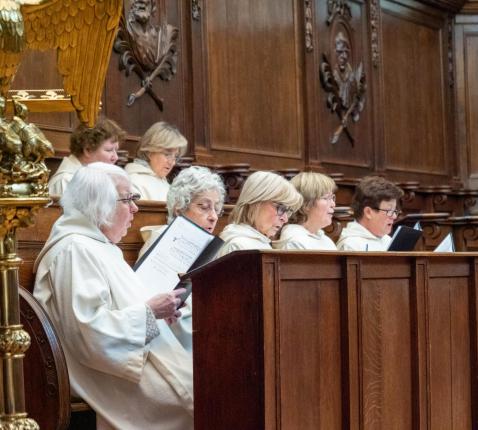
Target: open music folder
[[182, 247], [404, 239]]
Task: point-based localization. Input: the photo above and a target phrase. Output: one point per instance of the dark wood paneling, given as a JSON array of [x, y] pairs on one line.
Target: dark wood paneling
[[254, 103], [415, 95]]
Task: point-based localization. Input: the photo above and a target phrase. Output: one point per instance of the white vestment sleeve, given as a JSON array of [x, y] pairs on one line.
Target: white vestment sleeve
[[103, 337]]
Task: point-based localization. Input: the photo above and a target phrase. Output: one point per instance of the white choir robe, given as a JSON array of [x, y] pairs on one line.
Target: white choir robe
[[242, 236], [355, 237], [146, 182], [67, 168], [97, 305], [296, 236]]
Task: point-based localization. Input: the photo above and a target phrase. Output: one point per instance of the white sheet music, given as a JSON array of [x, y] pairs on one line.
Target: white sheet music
[[175, 252], [446, 244]]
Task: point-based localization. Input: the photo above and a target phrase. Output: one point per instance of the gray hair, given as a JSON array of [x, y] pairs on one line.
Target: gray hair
[[93, 192], [263, 187], [188, 184]]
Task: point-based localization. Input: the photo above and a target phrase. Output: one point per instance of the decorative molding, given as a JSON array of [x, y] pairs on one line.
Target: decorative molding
[[309, 34], [195, 10], [374, 31], [148, 49], [345, 86], [338, 8], [451, 61]]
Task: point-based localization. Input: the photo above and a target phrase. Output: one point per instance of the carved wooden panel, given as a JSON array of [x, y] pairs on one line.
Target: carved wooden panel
[[253, 92], [417, 134], [466, 55], [334, 21]]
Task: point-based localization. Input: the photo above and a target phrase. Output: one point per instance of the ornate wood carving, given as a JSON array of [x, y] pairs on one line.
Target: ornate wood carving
[[451, 62], [345, 86], [309, 34], [338, 8], [195, 10], [374, 31], [148, 49]]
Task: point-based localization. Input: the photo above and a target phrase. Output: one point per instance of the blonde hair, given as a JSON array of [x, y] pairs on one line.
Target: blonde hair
[[159, 136], [263, 187], [311, 186]]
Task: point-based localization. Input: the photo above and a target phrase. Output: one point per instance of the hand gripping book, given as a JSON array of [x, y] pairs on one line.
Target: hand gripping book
[[182, 247]]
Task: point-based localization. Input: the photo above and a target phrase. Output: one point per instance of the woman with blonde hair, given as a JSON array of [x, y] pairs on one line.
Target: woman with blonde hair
[[159, 150], [264, 206], [304, 230]]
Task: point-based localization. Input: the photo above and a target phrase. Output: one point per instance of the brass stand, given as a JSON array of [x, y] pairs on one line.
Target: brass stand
[[14, 341]]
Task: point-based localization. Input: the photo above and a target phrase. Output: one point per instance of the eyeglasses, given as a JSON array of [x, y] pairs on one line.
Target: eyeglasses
[[132, 198], [389, 212], [328, 197], [282, 209], [206, 208], [170, 156]]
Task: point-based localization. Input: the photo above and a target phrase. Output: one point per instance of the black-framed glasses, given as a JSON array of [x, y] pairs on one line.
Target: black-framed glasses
[[389, 212], [132, 198], [283, 209], [208, 207], [329, 197]]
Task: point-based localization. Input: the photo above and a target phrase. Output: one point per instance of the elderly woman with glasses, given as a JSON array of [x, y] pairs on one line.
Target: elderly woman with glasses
[[375, 210], [88, 145], [198, 195], [159, 150], [122, 357], [304, 230], [265, 204]]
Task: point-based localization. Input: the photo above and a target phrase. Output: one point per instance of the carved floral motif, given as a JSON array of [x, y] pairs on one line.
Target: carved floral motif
[[309, 36], [338, 8], [374, 33]]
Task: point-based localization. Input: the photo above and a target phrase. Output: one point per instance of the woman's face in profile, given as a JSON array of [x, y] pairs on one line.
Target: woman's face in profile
[[270, 218], [107, 152], [205, 209], [124, 213], [322, 212]]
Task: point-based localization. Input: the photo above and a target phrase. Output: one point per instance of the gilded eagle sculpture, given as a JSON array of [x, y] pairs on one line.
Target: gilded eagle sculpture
[[82, 32]]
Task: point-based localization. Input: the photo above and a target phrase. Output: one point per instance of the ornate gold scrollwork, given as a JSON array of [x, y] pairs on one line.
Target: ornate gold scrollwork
[[309, 35], [18, 423]]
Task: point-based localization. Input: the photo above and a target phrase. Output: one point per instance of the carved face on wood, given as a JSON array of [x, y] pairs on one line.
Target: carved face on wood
[[342, 51], [141, 11]]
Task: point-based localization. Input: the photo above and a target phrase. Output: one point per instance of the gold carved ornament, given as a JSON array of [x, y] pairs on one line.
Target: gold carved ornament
[[82, 32]]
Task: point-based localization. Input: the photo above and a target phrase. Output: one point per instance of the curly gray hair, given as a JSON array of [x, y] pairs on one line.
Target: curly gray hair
[[189, 184]]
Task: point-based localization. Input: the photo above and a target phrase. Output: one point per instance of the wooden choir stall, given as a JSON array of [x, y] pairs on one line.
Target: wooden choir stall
[[336, 341]]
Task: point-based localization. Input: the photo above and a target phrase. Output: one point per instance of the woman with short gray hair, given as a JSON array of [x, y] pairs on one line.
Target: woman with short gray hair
[[159, 150], [122, 357], [198, 195]]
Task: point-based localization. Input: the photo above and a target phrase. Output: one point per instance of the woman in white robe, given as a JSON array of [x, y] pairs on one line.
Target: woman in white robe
[[122, 357], [159, 150], [375, 210], [198, 195], [304, 230], [264, 206], [87, 145]]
